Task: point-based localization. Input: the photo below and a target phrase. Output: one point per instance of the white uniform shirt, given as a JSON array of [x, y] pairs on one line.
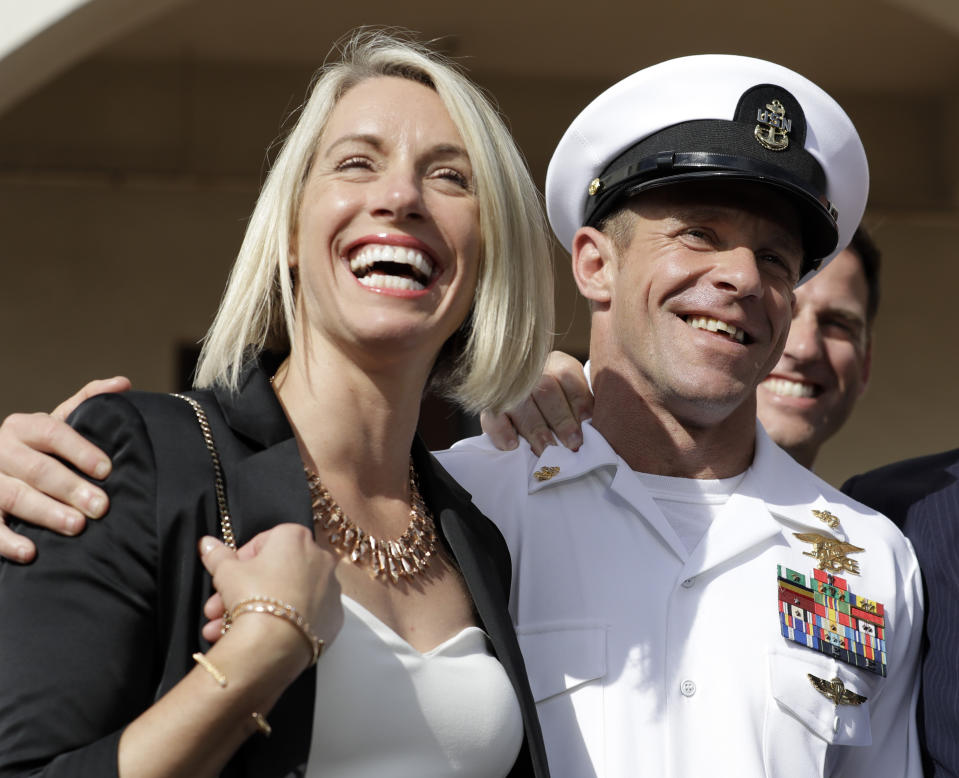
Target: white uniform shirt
[[646, 659]]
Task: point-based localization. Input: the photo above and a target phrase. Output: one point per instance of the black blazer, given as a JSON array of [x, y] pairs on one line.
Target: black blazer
[[922, 497], [102, 625]]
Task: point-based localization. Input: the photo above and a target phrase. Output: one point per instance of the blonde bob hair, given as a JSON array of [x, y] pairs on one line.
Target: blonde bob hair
[[497, 355]]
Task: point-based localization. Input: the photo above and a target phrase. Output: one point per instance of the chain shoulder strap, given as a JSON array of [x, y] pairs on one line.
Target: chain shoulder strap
[[226, 526]]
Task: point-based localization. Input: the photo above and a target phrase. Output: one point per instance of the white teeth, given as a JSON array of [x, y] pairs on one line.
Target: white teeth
[[787, 388], [381, 281], [372, 253], [714, 325]]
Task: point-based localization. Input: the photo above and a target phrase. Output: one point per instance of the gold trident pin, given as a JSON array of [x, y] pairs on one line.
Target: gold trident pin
[[829, 518], [836, 691], [545, 473], [831, 553]]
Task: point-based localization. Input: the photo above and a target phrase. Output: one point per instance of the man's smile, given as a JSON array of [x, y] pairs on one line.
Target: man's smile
[[715, 325]]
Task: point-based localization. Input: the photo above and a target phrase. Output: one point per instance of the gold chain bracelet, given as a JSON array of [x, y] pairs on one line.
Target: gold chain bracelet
[[281, 610]]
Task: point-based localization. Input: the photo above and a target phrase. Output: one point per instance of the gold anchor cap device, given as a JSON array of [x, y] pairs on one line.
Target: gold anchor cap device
[[714, 117]]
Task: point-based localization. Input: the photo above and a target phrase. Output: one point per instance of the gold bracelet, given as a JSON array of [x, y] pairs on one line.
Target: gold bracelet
[[211, 668], [262, 724], [281, 610]]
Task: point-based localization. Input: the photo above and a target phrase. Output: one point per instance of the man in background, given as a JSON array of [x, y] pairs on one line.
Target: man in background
[[825, 366], [922, 497]]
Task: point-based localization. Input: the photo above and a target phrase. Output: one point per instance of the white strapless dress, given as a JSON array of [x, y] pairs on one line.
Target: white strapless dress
[[385, 710]]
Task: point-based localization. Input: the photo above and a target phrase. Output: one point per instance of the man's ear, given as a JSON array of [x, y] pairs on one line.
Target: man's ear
[[593, 257], [866, 368]]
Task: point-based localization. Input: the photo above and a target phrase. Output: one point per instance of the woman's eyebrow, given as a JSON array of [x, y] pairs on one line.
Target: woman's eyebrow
[[449, 150], [370, 140], [445, 150]]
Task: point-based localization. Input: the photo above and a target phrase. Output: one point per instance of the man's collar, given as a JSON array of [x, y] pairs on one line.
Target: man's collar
[[789, 490]]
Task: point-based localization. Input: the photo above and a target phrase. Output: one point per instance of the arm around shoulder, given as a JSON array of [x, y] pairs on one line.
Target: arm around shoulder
[[79, 633]]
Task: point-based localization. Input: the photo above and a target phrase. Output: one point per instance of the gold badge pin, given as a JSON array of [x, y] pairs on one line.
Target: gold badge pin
[[831, 553], [594, 186], [836, 691], [545, 473], [829, 518], [772, 132]]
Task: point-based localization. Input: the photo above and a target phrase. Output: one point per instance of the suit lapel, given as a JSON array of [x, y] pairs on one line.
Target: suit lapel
[[266, 486], [269, 488]]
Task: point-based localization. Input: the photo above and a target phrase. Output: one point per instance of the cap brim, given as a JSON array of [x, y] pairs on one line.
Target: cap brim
[[819, 234]]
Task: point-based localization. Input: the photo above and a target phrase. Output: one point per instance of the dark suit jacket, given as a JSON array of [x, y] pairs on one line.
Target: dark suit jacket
[[101, 625], [922, 497]]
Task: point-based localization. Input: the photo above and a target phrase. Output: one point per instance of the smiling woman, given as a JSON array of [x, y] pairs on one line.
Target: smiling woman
[[505, 338], [398, 241], [390, 156]]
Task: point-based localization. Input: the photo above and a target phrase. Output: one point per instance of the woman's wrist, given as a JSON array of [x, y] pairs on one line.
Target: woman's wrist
[[262, 652], [268, 606]]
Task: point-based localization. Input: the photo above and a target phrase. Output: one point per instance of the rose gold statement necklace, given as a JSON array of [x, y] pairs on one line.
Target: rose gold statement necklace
[[405, 557]]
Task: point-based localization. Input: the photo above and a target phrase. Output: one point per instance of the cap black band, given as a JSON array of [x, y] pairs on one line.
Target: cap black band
[[710, 148]]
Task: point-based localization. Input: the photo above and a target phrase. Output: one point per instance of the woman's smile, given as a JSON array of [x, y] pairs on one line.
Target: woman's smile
[[393, 264]]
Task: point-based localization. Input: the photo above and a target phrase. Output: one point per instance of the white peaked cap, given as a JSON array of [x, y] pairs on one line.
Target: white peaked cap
[[627, 140]]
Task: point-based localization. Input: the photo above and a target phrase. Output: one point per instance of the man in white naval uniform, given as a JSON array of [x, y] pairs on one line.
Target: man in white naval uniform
[[666, 588]]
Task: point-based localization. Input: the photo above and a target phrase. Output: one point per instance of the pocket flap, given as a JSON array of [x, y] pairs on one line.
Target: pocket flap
[[560, 657], [839, 724]]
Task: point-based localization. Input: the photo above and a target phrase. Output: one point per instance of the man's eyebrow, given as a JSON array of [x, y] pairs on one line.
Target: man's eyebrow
[[792, 240], [707, 213], [845, 313], [701, 211]]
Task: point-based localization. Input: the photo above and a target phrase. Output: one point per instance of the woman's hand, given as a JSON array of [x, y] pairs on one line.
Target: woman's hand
[[196, 727], [38, 489], [284, 563]]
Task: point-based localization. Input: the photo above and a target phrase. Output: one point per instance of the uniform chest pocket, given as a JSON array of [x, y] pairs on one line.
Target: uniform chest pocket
[[566, 664], [802, 722], [562, 657], [795, 694]]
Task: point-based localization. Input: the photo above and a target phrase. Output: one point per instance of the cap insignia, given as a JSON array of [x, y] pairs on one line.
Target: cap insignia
[[594, 186], [772, 132]]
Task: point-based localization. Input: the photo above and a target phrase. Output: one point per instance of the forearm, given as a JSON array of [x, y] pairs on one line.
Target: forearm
[[199, 725]]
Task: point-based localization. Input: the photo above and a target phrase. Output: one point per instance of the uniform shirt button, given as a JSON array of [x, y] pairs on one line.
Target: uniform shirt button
[[689, 583], [688, 688]]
